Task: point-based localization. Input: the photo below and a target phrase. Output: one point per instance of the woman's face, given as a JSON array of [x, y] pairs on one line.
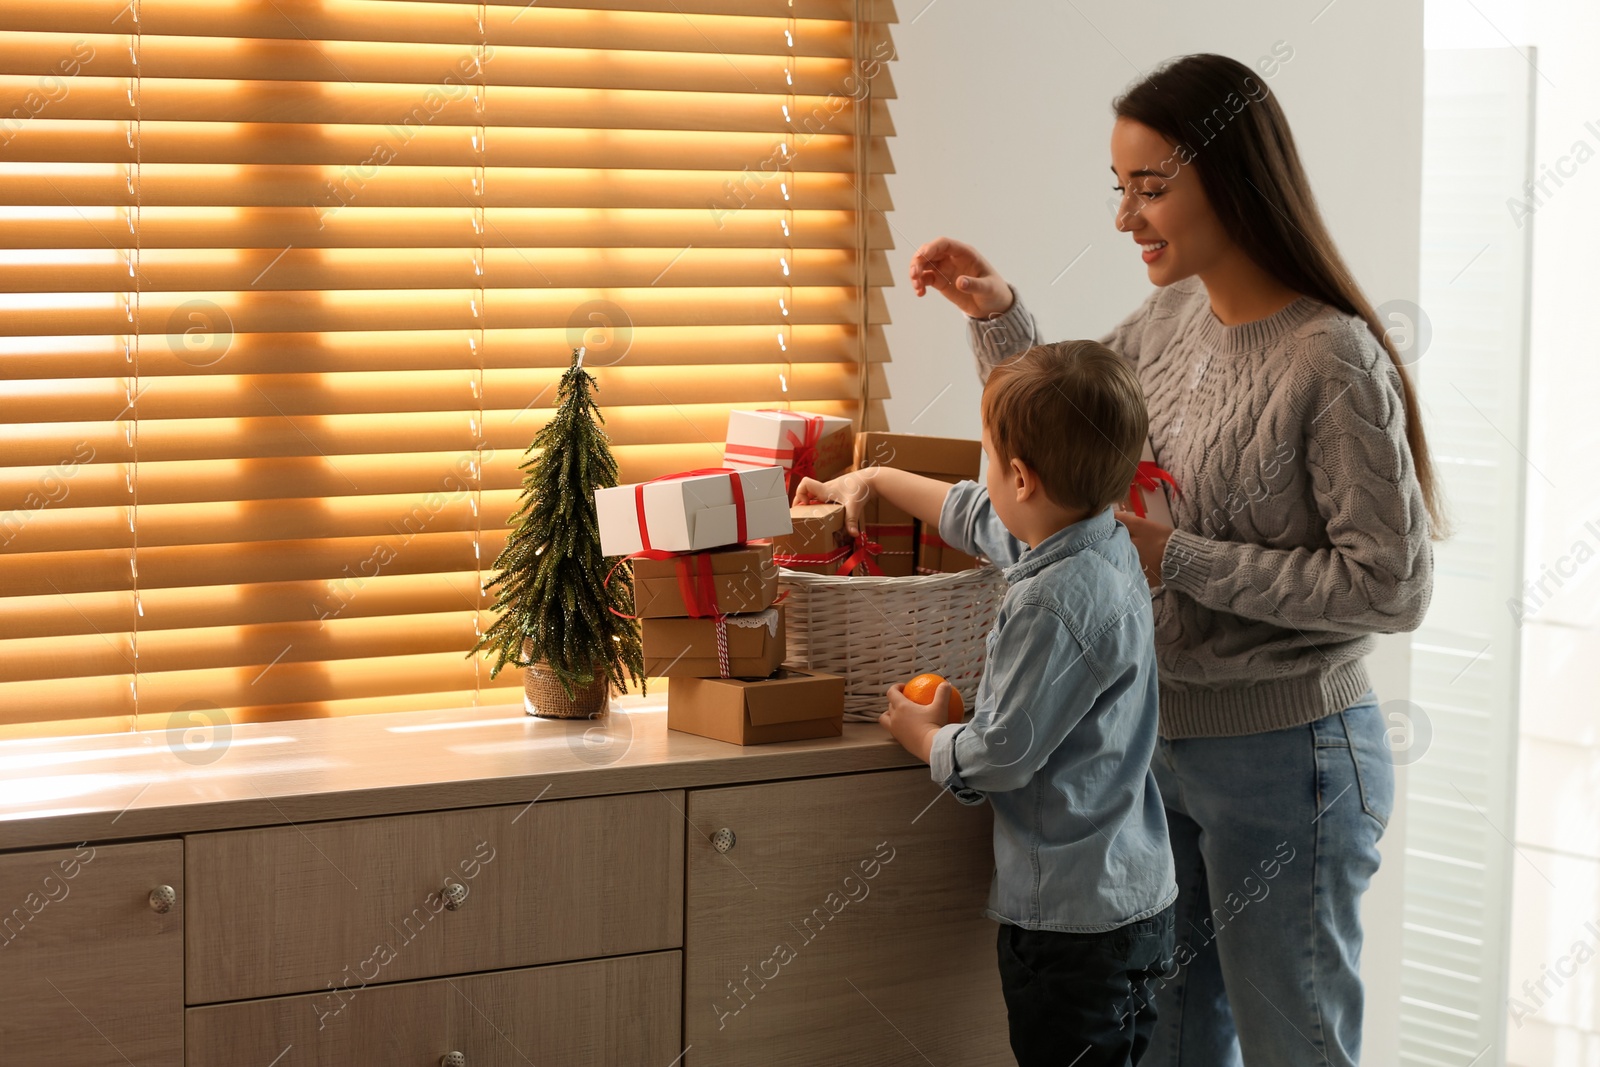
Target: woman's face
[[1163, 201]]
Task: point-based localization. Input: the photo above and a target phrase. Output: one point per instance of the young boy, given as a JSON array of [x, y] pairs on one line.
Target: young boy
[[1062, 734]]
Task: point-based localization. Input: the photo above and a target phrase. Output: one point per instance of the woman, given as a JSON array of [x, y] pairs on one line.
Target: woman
[[1304, 519]]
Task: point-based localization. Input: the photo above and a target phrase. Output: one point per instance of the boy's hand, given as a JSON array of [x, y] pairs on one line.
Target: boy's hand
[[913, 724], [853, 490], [1150, 539]]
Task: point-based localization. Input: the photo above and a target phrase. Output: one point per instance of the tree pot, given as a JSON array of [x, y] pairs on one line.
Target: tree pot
[[543, 695]]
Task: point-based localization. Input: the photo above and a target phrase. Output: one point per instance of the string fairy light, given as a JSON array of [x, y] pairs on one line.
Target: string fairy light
[[477, 343], [786, 178], [132, 306]]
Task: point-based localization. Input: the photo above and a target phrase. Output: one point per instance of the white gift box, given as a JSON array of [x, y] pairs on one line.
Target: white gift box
[[1156, 508], [765, 438], [692, 513]]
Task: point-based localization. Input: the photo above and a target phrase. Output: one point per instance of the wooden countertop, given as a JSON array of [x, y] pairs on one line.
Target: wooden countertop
[[62, 791]]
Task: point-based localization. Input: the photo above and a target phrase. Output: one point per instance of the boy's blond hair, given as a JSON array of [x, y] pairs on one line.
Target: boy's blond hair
[[1073, 412]]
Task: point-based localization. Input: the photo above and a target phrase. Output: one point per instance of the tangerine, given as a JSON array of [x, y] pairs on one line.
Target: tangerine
[[921, 689]]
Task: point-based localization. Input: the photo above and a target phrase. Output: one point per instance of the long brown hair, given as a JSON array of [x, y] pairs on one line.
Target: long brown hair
[[1227, 125]]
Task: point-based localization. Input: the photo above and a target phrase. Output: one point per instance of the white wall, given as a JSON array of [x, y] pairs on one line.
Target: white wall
[[1003, 130]]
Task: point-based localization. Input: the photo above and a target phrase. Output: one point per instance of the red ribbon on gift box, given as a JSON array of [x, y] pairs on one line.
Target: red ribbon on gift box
[[696, 582], [784, 559], [709, 590], [886, 530], [802, 451], [862, 556], [734, 482], [697, 586], [800, 458], [1148, 477]]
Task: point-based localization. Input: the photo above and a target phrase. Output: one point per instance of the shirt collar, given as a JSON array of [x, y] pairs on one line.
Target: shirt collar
[[1067, 541]]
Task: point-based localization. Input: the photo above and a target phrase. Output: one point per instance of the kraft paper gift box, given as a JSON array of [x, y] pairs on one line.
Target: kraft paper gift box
[[908, 547], [802, 443], [691, 513], [895, 531], [790, 706], [688, 648], [949, 459], [739, 579], [818, 544], [1149, 489], [936, 557]]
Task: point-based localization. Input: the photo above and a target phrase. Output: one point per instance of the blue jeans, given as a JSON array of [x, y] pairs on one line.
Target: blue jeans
[[1275, 838]]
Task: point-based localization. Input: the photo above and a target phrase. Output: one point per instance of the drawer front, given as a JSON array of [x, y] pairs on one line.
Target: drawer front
[[619, 1012], [90, 972], [801, 947], [338, 906]]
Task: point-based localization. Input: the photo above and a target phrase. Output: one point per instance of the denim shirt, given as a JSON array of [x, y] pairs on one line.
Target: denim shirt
[[1064, 727]]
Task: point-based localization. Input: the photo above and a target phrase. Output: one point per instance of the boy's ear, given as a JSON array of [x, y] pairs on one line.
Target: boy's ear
[[1024, 480]]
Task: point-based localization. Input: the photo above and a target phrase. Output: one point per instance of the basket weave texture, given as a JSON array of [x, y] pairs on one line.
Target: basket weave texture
[[879, 631]]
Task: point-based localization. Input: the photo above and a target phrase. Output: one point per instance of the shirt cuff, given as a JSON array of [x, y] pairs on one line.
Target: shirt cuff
[[1187, 561], [942, 764]]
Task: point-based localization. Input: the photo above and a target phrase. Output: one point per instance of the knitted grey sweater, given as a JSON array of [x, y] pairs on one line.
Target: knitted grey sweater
[[1300, 526]]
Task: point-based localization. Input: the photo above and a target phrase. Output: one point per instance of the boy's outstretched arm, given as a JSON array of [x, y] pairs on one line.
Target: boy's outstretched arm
[[922, 496]]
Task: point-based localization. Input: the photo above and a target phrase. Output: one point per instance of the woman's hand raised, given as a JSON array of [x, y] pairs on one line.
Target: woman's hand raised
[[960, 272]]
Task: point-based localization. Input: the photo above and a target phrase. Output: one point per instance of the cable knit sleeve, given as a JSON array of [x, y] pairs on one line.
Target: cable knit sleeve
[[1377, 575], [1000, 337], [1012, 332]]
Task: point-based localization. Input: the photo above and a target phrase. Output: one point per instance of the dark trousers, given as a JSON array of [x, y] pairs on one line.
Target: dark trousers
[[1084, 1000]]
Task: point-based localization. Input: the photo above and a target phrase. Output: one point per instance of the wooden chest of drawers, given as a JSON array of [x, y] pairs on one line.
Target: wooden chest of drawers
[[516, 899]]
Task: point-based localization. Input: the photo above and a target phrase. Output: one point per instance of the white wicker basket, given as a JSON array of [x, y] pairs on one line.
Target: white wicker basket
[[879, 631]]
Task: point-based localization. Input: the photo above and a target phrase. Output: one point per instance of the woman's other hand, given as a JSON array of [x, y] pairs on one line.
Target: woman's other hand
[[960, 272], [1150, 540]]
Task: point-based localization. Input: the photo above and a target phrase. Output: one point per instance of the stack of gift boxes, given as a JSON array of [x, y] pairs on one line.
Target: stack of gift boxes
[[909, 545], [894, 543], [706, 547], [706, 592]]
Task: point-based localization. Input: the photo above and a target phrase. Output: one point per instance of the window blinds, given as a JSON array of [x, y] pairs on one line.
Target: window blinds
[[1460, 736], [286, 287]]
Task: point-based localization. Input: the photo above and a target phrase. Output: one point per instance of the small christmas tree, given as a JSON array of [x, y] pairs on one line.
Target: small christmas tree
[[551, 590]]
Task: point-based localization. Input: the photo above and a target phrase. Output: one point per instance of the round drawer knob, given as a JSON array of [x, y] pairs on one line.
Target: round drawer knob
[[453, 1059], [455, 895], [162, 898], [723, 840]]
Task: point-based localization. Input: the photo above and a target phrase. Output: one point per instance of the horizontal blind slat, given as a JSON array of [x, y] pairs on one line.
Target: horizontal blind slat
[[714, 345], [399, 186], [334, 223], [61, 56], [48, 140], [167, 270]]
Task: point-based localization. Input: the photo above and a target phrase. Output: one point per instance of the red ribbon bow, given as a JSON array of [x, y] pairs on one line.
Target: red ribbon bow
[[802, 451], [1148, 477], [865, 550]]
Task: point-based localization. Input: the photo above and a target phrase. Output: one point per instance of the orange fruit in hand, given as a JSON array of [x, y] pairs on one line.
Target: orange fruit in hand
[[921, 689]]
